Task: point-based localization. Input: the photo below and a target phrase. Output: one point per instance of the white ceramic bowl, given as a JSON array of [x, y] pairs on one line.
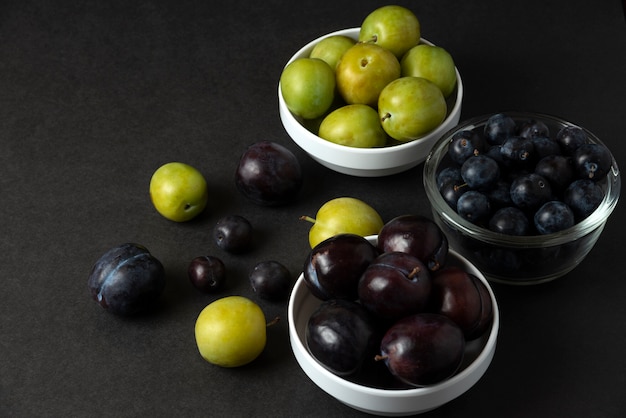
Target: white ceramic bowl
[[366, 162], [390, 402]]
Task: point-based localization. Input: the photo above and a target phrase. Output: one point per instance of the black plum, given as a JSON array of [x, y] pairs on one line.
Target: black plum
[[473, 206], [207, 273], [269, 174], [530, 191], [416, 235], [533, 128], [570, 138], [498, 128], [480, 172], [592, 161], [233, 233], [553, 216], [557, 169], [509, 220], [395, 285], [333, 267], [423, 349], [518, 150], [583, 197], [271, 280], [464, 144], [127, 279], [340, 335]]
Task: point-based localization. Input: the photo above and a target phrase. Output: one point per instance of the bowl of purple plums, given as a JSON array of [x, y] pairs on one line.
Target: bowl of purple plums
[[523, 196], [395, 324]]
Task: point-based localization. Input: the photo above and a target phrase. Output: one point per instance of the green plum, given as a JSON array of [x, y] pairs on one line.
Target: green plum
[[392, 27], [433, 63], [331, 49], [355, 125], [231, 331], [410, 107], [178, 191], [363, 71], [343, 215], [308, 87]]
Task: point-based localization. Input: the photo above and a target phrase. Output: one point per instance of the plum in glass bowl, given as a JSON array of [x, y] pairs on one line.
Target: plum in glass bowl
[[376, 392], [562, 221], [393, 158]]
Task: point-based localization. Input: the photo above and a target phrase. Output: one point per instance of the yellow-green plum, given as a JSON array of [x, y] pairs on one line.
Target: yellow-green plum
[[433, 63], [410, 107], [355, 125], [343, 215], [231, 331], [363, 71], [178, 191], [331, 49], [392, 27], [308, 87]]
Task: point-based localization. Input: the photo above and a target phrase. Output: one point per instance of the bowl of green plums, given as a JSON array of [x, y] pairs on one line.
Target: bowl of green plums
[[523, 196], [394, 324], [370, 101]]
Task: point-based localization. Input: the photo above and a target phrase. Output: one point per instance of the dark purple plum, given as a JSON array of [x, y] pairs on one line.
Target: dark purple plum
[[486, 312], [340, 335], [207, 273], [423, 349], [271, 280], [452, 173], [333, 267], [544, 146], [455, 295], [451, 192], [395, 285], [417, 235], [234, 234], [269, 174], [127, 279]]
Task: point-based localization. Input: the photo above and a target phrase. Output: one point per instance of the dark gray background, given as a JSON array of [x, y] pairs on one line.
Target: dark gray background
[[95, 95]]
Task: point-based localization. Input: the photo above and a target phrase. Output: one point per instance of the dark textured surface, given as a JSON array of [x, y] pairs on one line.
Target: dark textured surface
[[95, 95]]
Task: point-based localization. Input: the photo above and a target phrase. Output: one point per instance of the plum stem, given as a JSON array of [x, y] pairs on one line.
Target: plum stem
[[307, 218], [385, 117], [416, 270], [379, 357], [273, 322]]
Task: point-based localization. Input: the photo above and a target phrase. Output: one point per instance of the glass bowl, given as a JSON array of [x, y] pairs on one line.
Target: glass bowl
[[518, 259], [365, 162]]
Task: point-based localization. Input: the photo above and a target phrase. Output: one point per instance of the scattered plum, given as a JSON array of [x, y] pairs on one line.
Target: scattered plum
[[207, 273], [233, 233], [270, 280], [269, 174], [127, 279]]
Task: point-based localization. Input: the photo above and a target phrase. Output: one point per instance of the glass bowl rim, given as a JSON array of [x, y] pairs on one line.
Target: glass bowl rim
[[595, 220]]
